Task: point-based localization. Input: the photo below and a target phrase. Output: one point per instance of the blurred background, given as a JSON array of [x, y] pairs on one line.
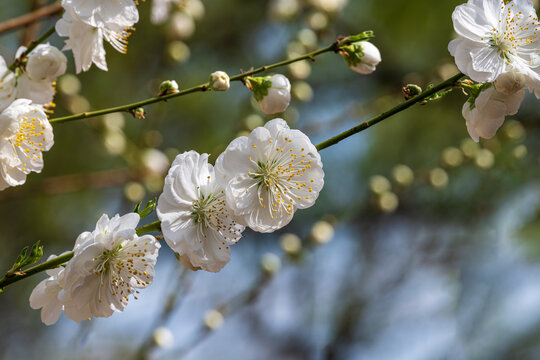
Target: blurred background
[[422, 245]]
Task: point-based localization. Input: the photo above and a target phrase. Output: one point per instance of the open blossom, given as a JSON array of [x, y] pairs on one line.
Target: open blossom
[[109, 265], [47, 295], [273, 93], [7, 85], [269, 175], [25, 133], [495, 38], [362, 57], [195, 219], [87, 24], [121, 14], [486, 116]]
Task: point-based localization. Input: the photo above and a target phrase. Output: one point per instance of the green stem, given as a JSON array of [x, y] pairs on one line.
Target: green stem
[[206, 86], [51, 264], [31, 47], [59, 260], [155, 226], [449, 83]]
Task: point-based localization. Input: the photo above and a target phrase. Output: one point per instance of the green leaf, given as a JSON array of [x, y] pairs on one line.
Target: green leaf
[[21, 256], [148, 209]]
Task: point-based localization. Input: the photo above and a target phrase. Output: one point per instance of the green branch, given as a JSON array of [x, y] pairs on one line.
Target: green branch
[[449, 83], [51, 264], [334, 47]]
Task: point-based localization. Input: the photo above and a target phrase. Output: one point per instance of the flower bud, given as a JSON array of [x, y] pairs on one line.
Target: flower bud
[[362, 56], [273, 93], [138, 113], [168, 87], [219, 81], [509, 83], [46, 62], [411, 90]]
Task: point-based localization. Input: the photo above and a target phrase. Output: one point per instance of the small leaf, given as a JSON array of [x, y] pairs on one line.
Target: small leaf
[[21, 256], [148, 209], [137, 208], [35, 254]]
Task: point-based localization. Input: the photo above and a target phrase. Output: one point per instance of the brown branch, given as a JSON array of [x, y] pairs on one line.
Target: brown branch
[[30, 18]]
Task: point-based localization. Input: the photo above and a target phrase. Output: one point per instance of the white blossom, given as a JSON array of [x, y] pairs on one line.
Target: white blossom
[[363, 57], [495, 38], [269, 175], [7, 85], [195, 219], [116, 15], [47, 295], [486, 116], [219, 81], [110, 264], [45, 63], [25, 133], [273, 93], [85, 38]]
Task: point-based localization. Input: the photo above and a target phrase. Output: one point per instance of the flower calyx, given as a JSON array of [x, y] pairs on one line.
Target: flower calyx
[[259, 86]]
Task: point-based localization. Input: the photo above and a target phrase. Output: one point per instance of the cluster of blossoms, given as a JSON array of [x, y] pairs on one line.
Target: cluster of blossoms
[[25, 132], [87, 23], [498, 47], [109, 265], [259, 182]]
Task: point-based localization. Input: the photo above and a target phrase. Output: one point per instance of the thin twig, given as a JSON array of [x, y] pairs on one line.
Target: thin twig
[[30, 18], [449, 83], [335, 46]]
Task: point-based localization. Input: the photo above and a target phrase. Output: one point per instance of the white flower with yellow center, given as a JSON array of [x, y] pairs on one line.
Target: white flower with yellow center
[[195, 219], [86, 39], [495, 38], [25, 133], [269, 175], [110, 264]]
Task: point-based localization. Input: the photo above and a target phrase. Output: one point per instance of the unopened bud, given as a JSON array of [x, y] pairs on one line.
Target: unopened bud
[[168, 87], [362, 56], [273, 93], [411, 90], [219, 81], [138, 113]]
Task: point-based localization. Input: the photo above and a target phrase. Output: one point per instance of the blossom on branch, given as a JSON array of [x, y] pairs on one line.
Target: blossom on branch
[[109, 265], [362, 57], [219, 81], [269, 175], [35, 80], [25, 133], [47, 295], [273, 93], [495, 38], [45, 63], [7, 85], [486, 114], [195, 218], [87, 23]]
